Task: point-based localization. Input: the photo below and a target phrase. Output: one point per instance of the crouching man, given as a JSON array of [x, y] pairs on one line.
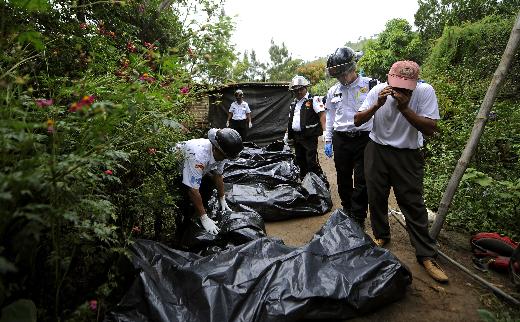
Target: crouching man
[[203, 158]]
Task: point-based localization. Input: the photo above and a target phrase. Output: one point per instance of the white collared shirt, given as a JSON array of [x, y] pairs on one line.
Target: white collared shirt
[[343, 102], [317, 106], [239, 110], [390, 127], [198, 161]]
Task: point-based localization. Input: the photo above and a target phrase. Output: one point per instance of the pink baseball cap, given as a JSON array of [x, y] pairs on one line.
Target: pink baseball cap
[[404, 74]]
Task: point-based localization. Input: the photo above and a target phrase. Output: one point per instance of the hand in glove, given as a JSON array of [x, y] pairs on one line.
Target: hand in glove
[[209, 225], [227, 124], [250, 125], [223, 205], [328, 149]]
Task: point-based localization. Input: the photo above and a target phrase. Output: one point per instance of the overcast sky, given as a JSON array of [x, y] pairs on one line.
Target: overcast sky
[[311, 28]]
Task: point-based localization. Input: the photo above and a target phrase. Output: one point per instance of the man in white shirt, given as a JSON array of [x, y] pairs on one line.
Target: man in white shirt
[[402, 110], [342, 138], [204, 157], [239, 115], [306, 123]]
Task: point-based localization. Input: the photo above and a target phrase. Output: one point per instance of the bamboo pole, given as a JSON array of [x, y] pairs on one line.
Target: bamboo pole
[[478, 128]]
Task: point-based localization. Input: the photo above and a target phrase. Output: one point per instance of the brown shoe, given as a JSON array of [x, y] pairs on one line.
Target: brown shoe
[[434, 270], [380, 242]]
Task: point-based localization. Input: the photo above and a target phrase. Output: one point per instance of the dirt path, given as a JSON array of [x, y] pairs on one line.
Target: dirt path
[[426, 300]]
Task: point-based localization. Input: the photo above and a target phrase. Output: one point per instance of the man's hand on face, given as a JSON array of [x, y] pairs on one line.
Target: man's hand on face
[[402, 96], [381, 98]]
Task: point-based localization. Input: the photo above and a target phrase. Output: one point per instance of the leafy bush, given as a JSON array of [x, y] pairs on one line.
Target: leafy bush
[[93, 97], [460, 68]]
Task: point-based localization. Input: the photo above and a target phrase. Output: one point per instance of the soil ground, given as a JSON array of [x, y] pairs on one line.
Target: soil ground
[[426, 300]]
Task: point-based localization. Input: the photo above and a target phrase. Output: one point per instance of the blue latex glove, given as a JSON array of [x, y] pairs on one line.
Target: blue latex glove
[[328, 149]]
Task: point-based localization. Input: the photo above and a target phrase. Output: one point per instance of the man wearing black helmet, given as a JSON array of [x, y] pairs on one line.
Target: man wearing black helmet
[[342, 138], [203, 157]]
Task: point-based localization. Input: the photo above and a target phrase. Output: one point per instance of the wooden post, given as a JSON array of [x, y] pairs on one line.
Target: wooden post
[[478, 128]]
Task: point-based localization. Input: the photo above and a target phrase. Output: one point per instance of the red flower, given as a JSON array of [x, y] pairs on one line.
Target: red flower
[[136, 230], [41, 102], [83, 26], [185, 90], [85, 101], [190, 52], [131, 47], [92, 305], [108, 172]]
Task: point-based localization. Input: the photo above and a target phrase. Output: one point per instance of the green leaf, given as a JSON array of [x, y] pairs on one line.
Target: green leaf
[[20, 311], [6, 266], [484, 181], [486, 316], [32, 5], [32, 37]]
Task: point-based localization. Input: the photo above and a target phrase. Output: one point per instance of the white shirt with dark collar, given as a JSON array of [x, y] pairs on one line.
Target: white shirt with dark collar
[[317, 106], [343, 102]]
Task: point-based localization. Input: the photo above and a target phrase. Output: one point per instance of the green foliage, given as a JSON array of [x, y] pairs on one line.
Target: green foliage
[[249, 69], [20, 311], [282, 66], [314, 71], [93, 97], [434, 15], [460, 68], [396, 42]]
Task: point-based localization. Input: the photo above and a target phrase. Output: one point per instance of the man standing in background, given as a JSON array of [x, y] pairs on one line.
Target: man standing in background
[[239, 115], [306, 123]]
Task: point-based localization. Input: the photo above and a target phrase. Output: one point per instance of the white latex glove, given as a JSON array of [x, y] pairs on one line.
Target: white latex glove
[[250, 125], [223, 204], [209, 225], [286, 138], [227, 123]]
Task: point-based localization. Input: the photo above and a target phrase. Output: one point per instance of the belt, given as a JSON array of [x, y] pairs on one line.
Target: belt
[[351, 134]]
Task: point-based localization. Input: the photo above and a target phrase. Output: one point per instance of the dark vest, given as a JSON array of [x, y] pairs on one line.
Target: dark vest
[[310, 124]]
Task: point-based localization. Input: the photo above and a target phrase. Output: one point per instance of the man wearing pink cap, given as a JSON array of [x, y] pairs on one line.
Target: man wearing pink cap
[[402, 111]]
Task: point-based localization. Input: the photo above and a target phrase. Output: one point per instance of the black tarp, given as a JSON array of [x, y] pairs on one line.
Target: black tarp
[[269, 104], [339, 274], [267, 182]]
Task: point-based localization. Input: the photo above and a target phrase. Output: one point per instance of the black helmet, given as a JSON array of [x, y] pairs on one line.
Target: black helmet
[[227, 141], [342, 60]]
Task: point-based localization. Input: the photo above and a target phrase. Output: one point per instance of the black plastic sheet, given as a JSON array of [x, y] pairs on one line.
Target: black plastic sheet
[[236, 228], [283, 201], [339, 274]]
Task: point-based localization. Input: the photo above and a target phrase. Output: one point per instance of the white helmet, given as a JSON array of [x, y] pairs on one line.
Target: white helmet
[[297, 82]]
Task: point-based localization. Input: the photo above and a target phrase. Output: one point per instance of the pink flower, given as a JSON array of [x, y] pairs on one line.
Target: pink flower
[[147, 78], [140, 8], [185, 90], [108, 172], [92, 305], [151, 151], [41, 102], [83, 26], [136, 230]]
